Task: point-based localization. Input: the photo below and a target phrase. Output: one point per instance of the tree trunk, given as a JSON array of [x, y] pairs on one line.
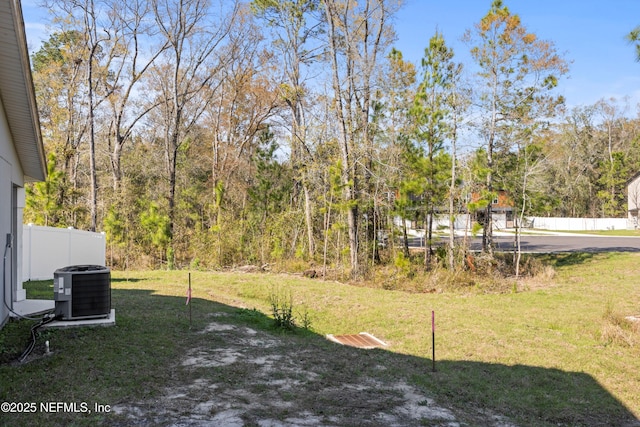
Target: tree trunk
[[309, 220], [352, 225], [348, 170], [487, 232], [405, 239], [452, 215], [327, 221], [116, 168], [92, 149]]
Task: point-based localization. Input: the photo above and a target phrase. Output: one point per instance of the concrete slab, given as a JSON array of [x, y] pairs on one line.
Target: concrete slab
[[107, 321], [32, 307]]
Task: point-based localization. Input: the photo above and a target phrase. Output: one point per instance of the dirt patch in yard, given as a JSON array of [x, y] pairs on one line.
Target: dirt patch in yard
[[240, 376]]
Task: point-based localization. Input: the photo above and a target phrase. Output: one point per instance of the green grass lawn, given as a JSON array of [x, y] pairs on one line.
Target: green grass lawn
[[561, 354]]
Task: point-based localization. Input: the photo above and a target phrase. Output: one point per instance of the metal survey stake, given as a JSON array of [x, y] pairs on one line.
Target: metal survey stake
[[433, 341], [189, 299]]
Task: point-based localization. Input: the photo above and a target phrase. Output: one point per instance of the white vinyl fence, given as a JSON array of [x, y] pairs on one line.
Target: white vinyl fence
[[582, 224], [500, 222], [46, 249]]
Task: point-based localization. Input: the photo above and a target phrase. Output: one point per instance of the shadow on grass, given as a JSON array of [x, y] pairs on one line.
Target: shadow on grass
[[567, 259], [141, 361], [127, 279], [532, 395]]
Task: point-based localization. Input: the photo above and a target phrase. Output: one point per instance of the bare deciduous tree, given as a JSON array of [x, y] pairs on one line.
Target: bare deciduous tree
[[358, 34], [194, 35], [295, 26], [133, 40]]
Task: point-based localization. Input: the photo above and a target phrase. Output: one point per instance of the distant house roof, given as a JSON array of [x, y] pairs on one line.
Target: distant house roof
[[17, 93]]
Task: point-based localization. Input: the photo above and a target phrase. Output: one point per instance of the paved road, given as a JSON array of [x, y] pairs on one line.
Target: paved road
[[561, 243]]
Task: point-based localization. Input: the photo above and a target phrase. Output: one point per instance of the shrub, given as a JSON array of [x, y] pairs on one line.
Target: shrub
[[281, 302]]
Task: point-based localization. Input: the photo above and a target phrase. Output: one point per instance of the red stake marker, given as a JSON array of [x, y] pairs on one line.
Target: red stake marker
[[433, 321]]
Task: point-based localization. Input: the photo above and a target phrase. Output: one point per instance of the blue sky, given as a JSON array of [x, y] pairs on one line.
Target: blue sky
[[590, 33], [35, 22]]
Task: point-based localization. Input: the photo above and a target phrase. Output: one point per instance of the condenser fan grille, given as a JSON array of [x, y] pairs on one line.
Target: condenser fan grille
[[91, 295]]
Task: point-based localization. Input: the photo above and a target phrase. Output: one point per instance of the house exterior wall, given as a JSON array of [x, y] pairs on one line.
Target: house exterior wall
[[11, 202], [21, 148], [5, 227], [502, 202]]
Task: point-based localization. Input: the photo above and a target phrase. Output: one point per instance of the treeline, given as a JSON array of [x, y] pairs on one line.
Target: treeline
[[208, 134]]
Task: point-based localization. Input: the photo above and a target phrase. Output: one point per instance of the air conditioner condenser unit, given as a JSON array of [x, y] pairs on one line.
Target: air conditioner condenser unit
[[82, 292]]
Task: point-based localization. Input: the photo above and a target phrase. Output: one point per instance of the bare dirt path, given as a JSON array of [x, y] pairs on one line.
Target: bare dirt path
[[240, 376]]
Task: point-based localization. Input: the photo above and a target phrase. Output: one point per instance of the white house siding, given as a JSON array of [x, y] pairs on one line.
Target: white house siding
[[5, 227], [22, 156], [11, 204]]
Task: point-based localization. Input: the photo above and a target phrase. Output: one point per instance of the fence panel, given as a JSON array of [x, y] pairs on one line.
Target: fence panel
[[582, 224], [45, 249]]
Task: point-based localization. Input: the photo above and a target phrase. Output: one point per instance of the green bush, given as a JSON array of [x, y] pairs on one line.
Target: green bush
[[281, 302]]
